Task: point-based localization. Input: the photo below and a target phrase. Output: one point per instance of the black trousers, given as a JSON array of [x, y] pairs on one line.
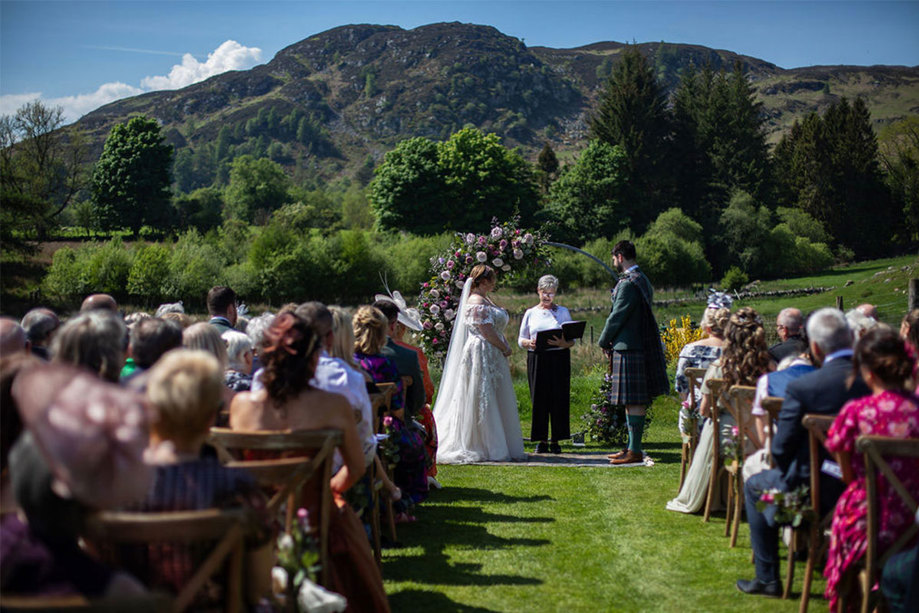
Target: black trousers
[[549, 375]]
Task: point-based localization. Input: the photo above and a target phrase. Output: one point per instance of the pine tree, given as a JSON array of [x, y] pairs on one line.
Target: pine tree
[[547, 165]]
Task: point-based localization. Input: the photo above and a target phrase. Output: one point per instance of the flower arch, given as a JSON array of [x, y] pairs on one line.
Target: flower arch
[[506, 247]]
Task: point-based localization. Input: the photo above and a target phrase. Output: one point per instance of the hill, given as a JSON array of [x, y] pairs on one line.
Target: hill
[[331, 105]]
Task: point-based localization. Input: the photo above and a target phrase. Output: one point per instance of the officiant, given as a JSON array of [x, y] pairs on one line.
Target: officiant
[[549, 369]]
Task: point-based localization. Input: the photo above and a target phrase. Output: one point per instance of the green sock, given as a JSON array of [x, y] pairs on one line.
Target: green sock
[[636, 425]]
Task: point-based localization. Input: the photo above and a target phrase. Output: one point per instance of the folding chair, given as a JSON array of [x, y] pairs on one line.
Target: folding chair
[[877, 451], [739, 404], [224, 529], [289, 474], [716, 386], [691, 439]]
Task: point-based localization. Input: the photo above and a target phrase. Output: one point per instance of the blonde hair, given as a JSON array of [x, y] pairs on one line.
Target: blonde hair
[[342, 335], [482, 272], [180, 318], [186, 389], [745, 356], [715, 320], [370, 327], [205, 337]]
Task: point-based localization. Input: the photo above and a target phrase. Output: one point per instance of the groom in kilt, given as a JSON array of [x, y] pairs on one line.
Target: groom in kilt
[[632, 342]]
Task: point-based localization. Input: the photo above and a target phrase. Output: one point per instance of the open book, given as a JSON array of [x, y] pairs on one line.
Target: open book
[[571, 330]]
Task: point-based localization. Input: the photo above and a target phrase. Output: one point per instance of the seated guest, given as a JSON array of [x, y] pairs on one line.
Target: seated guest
[[221, 307], [406, 360], [70, 461], [900, 579], [40, 324], [868, 310], [890, 410], [289, 401], [789, 325], [149, 340], [860, 323], [10, 422], [370, 328], [205, 337], [255, 330], [96, 340], [238, 375], [169, 307], [13, 338], [185, 388], [343, 340], [743, 360], [701, 353], [823, 391], [99, 301], [180, 318], [132, 319], [909, 330]]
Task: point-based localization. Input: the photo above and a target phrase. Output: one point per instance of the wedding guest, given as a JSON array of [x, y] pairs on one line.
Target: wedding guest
[[405, 359], [99, 301], [861, 323], [343, 338], [169, 307], [221, 308], [909, 330], [180, 318], [40, 324], [132, 319], [549, 371], [885, 365], [823, 391], [701, 353], [289, 401], [868, 310], [205, 336], [745, 357], [96, 340], [789, 325], [13, 338], [149, 340], [240, 354]]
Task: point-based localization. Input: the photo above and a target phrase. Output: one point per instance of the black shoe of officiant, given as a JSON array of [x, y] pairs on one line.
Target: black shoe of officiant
[[542, 447], [555, 448], [755, 586]]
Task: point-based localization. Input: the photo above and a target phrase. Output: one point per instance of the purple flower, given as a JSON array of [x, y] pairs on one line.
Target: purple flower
[[482, 240], [440, 260], [502, 244], [469, 259], [427, 325], [450, 264]]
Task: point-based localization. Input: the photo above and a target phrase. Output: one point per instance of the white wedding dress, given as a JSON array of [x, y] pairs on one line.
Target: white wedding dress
[[476, 408]]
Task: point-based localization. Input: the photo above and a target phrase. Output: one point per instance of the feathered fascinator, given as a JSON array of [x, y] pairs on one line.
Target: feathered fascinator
[[719, 300], [281, 334], [408, 317]]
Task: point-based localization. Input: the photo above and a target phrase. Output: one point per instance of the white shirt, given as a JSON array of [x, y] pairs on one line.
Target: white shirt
[[537, 319]]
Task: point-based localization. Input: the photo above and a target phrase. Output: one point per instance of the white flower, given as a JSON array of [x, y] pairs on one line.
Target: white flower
[[496, 232], [435, 294], [528, 239], [459, 283], [286, 543], [518, 254], [439, 326], [470, 238], [498, 262], [449, 314], [445, 275], [435, 309], [506, 268], [480, 256]]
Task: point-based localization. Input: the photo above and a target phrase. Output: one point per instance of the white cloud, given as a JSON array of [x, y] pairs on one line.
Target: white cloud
[[228, 56]]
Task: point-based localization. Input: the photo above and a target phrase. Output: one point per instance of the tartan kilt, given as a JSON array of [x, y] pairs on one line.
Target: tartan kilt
[[628, 378]]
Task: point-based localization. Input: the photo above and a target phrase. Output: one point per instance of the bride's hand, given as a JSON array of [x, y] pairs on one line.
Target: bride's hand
[[507, 350]]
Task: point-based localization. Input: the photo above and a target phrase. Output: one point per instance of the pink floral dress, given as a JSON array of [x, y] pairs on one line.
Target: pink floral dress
[[887, 414]]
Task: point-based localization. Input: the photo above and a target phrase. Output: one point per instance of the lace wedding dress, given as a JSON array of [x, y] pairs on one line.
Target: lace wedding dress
[[476, 408]]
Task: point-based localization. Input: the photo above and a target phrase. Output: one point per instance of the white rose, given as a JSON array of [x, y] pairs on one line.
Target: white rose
[[528, 238], [470, 238], [445, 275], [480, 256], [506, 268], [435, 309], [449, 314], [498, 262], [496, 232], [518, 254], [459, 283], [439, 326]]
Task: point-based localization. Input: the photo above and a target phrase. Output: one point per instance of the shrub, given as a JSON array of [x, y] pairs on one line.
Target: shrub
[[149, 270], [734, 279], [194, 268]]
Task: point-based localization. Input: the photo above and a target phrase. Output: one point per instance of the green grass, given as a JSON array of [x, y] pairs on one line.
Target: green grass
[[509, 538]]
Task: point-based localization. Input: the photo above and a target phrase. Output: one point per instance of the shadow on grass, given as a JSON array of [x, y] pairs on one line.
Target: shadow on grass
[[420, 600], [659, 451], [475, 494]]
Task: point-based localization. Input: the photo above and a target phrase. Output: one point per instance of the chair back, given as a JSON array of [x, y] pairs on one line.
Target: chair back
[[739, 403], [817, 427], [223, 531], [877, 451], [314, 451], [773, 406], [694, 376]]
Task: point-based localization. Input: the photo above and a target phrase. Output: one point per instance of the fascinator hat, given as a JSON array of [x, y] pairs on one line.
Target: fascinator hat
[[408, 317], [719, 300]]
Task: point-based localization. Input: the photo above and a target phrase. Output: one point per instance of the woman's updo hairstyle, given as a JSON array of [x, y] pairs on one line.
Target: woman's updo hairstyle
[[716, 320], [288, 347], [370, 326], [883, 353], [482, 272], [745, 356]]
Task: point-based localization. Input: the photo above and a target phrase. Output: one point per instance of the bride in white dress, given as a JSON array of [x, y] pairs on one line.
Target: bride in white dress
[[476, 408]]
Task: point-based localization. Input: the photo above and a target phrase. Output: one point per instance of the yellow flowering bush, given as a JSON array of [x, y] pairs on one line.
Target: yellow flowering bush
[[676, 337]]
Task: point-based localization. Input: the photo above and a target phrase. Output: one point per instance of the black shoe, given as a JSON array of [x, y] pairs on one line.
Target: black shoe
[[542, 447], [755, 586], [554, 448]]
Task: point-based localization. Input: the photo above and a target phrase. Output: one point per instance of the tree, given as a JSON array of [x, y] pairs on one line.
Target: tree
[[547, 163], [41, 169], [632, 114], [201, 209], [257, 187], [131, 180], [672, 253], [407, 190], [900, 157]]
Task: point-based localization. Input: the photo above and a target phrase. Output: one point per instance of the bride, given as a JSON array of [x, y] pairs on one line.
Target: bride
[[476, 408]]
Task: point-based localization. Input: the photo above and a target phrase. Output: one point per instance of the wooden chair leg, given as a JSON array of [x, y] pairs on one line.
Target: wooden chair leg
[[729, 507], [375, 519], [812, 554], [712, 486], [738, 508]]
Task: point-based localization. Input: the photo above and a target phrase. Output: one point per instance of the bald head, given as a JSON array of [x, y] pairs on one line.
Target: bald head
[[12, 337], [789, 323], [95, 302], [868, 310], [39, 324]]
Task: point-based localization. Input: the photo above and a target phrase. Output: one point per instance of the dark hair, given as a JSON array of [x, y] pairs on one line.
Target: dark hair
[[482, 272], [389, 309], [153, 337], [912, 323], [745, 356], [39, 323], [287, 348], [624, 248], [882, 352], [317, 316], [219, 299]]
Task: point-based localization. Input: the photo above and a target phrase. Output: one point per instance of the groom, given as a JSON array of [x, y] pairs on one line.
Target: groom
[[632, 342]]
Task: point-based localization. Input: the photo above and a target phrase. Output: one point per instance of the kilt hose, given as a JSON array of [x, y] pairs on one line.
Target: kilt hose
[[549, 375]]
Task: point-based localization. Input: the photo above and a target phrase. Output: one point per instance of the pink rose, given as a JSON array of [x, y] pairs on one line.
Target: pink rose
[[387, 421]]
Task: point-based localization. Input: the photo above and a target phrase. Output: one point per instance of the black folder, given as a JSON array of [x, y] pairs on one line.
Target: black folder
[[571, 330]]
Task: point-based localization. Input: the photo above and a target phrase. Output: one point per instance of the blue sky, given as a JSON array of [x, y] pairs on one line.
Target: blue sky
[[83, 54]]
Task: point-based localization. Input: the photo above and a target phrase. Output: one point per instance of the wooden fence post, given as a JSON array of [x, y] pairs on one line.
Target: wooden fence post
[[839, 303], [913, 294]]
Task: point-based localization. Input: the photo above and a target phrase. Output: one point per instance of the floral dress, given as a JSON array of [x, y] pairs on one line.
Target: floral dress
[[887, 414]]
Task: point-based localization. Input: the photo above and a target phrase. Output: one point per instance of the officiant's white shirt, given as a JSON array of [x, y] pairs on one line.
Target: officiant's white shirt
[[537, 319]]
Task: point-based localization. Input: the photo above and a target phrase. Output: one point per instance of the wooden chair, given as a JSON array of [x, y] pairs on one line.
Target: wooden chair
[[690, 440], [739, 405], [225, 529], [287, 474], [817, 426], [149, 603], [716, 386], [877, 450], [773, 406]]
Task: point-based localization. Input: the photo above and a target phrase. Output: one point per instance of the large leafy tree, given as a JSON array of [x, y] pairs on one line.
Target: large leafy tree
[[131, 180], [900, 158], [633, 114], [257, 187], [407, 191], [41, 169]]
